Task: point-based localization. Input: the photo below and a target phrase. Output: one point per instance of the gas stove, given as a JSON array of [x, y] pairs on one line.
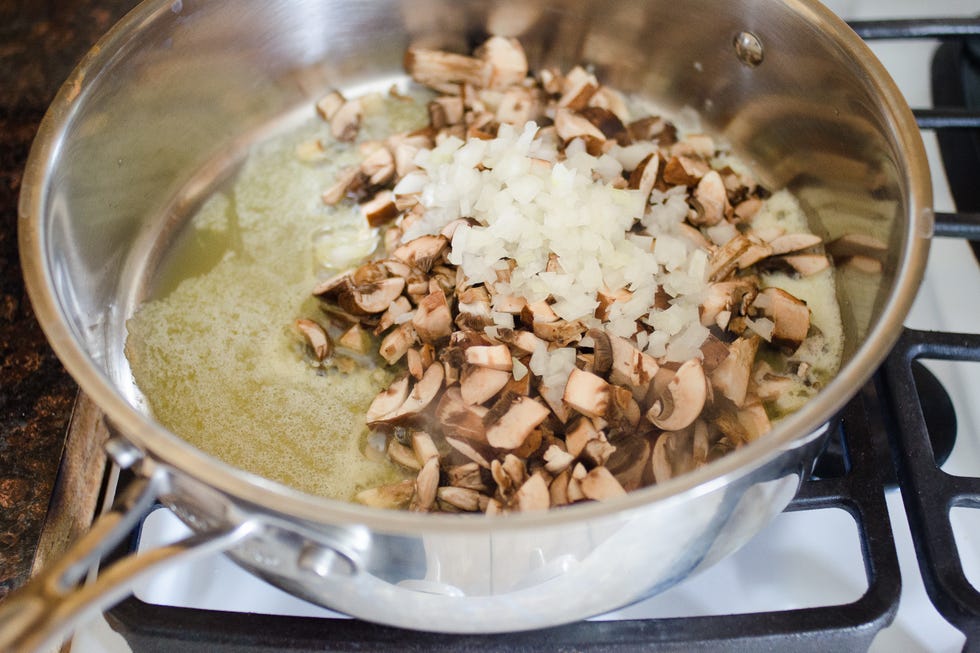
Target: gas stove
[[880, 549]]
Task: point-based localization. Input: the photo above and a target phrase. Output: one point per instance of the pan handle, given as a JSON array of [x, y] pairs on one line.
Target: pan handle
[[46, 609]]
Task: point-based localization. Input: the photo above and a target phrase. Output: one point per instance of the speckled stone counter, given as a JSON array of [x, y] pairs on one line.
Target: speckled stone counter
[[40, 43]]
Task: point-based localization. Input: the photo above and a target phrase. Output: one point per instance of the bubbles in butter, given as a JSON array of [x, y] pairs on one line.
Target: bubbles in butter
[[213, 351]]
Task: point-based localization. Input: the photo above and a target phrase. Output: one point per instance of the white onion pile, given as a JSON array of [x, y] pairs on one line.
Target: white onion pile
[[530, 202]]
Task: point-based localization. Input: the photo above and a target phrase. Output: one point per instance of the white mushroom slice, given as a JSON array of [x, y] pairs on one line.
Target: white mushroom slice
[[587, 393], [724, 261], [644, 176], [731, 376], [712, 198], [578, 88], [433, 321], [552, 395], [673, 455], [397, 342], [441, 70], [754, 420], [538, 312], [479, 385], [345, 180], [630, 366], [346, 121], [559, 332], [378, 167], [756, 251], [510, 430], [600, 485], [330, 104], [558, 489], [597, 452], [684, 171], [517, 106], [457, 418], [422, 252], [682, 400], [794, 243], [747, 209], [355, 339], [423, 447], [387, 401], [479, 453], [419, 398], [316, 337], [507, 60], [394, 497], [426, 486], [629, 461], [464, 499], [496, 357], [402, 455], [400, 306], [533, 494], [790, 316], [370, 298], [725, 296], [380, 209], [524, 342], [446, 110], [579, 435], [466, 476], [557, 459], [570, 126]]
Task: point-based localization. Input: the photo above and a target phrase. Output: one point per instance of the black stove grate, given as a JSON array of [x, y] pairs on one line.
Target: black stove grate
[[928, 492], [882, 425], [860, 491]]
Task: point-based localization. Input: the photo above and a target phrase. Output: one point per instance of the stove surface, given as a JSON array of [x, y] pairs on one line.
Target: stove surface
[[805, 559]]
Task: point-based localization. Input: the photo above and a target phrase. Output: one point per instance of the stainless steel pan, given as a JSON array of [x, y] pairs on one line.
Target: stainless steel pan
[[179, 84]]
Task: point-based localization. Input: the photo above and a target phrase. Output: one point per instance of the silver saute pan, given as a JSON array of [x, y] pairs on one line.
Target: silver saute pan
[[179, 84]]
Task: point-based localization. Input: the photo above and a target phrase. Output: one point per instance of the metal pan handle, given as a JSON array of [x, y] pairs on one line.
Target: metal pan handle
[[49, 606]]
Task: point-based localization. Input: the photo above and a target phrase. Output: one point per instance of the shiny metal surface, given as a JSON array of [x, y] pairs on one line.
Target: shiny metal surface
[[178, 86]]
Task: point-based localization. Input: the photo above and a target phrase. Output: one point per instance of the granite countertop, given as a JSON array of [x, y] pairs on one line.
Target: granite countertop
[[40, 43]]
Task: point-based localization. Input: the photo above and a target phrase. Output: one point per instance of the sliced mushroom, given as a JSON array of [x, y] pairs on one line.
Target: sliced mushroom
[[509, 430], [724, 261], [420, 396], [496, 357], [397, 342], [400, 306], [422, 252], [578, 88], [587, 393], [479, 385], [355, 339], [790, 316], [466, 476], [508, 62], [558, 488], [731, 376], [388, 401], [682, 400], [403, 455], [464, 499], [560, 332], [369, 298], [433, 321], [533, 494], [442, 71], [346, 121], [426, 486], [581, 433], [345, 181], [571, 125], [316, 337], [393, 497], [330, 104], [684, 171], [557, 459], [458, 418], [712, 198], [479, 453], [644, 176], [600, 485]]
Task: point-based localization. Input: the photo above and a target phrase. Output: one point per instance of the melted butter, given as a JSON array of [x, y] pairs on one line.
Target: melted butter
[[213, 350]]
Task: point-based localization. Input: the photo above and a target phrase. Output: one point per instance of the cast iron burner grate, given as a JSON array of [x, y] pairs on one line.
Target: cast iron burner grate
[[885, 423]]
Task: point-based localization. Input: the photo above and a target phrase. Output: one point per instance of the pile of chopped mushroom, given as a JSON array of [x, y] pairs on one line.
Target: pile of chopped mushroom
[[574, 294]]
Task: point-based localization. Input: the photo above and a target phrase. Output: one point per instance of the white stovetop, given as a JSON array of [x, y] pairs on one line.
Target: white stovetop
[[779, 569]]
